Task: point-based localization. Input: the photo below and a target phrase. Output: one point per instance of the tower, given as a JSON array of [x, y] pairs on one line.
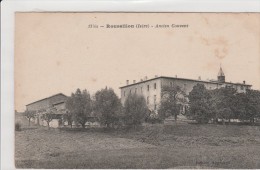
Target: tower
[[221, 75]]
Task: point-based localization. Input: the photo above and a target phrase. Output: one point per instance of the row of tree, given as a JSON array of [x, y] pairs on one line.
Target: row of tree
[[105, 107], [224, 104], [46, 115], [201, 105]]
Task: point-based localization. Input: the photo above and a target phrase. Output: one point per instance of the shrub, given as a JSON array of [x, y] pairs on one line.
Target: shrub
[[18, 126], [154, 118]]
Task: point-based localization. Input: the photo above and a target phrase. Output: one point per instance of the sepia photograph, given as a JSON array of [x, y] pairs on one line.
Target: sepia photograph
[[136, 90]]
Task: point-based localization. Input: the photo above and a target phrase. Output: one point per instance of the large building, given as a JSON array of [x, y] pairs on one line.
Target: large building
[[56, 101], [151, 88]]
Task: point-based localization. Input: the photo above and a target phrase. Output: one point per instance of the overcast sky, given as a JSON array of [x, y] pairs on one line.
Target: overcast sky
[[57, 52]]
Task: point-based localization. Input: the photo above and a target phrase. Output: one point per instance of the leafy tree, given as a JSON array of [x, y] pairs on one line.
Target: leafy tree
[[239, 109], [252, 105], [67, 116], [80, 105], [172, 100], [135, 109], [107, 106], [48, 116], [223, 101], [200, 107], [29, 115]]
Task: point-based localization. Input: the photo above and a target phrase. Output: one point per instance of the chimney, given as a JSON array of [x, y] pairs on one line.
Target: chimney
[[141, 80], [199, 78], [127, 82], [244, 82], [145, 78], [155, 76], [133, 81], [175, 76]]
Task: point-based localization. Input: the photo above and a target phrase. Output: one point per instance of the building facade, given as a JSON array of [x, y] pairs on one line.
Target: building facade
[[151, 88], [56, 101]]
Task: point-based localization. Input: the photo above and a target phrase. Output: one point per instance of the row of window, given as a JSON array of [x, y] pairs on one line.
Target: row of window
[[148, 88], [154, 86]]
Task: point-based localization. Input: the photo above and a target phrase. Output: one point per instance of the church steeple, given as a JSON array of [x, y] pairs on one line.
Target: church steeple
[[221, 75]]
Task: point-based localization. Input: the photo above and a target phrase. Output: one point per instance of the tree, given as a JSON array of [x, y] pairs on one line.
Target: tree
[[252, 105], [29, 115], [223, 102], [135, 109], [200, 108], [107, 106], [48, 115], [67, 116], [80, 105], [240, 102], [173, 98]]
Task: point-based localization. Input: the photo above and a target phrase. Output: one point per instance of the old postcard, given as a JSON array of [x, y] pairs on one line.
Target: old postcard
[[137, 90]]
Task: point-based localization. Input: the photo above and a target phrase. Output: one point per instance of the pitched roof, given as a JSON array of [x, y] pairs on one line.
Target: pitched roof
[[47, 98]]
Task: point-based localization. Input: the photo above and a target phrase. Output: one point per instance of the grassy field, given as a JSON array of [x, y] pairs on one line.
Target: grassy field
[[176, 145]]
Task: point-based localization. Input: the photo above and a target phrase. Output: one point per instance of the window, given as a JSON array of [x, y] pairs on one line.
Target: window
[[141, 89], [124, 93], [147, 100], [147, 87], [242, 88], [155, 107], [135, 90], [154, 85], [130, 91]]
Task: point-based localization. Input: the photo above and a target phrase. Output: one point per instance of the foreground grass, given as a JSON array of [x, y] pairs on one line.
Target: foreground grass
[[159, 146], [151, 158]]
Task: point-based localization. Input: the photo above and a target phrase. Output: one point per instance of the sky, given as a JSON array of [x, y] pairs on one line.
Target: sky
[[58, 52]]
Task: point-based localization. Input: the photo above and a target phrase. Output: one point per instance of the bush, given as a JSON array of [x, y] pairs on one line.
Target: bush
[[18, 126], [154, 118]]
